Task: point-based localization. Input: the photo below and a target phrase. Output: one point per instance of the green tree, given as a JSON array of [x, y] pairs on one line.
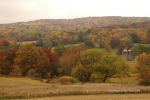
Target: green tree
[[86, 63], [58, 50], [110, 65], [98, 64], [81, 73]]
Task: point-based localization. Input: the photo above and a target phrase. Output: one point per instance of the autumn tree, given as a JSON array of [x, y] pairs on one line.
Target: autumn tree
[[70, 58], [53, 62], [124, 43], [4, 44], [101, 39], [43, 42], [33, 59], [6, 61], [144, 68], [135, 38], [143, 35], [5, 67]]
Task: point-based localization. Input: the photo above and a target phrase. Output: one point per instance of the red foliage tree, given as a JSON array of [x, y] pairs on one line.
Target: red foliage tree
[[6, 60], [53, 60]]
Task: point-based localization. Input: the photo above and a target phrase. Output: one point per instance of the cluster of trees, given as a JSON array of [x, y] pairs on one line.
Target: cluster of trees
[[79, 61], [94, 65], [28, 60], [116, 37], [119, 37], [140, 48], [33, 61]]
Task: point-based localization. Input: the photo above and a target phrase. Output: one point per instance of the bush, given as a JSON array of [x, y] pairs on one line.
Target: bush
[[96, 77], [81, 73], [32, 73], [67, 80]]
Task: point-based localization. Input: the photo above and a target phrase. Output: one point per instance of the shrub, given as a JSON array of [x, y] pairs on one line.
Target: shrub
[[67, 80], [96, 77], [81, 73], [32, 73]]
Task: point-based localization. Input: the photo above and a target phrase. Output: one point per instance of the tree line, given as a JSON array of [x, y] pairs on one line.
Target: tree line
[[81, 62]]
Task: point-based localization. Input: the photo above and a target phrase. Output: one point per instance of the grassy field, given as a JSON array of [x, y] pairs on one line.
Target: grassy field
[[73, 45], [101, 97], [11, 87], [27, 42]]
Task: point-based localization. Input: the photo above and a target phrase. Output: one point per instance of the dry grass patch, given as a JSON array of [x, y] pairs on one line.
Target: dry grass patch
[[11, 87], [101, 97]]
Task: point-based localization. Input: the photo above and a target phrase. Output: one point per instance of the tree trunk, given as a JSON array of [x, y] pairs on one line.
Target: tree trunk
[[104, 80]]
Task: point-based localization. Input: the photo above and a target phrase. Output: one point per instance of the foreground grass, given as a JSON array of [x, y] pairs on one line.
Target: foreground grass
[[14, 88], [101, 97]]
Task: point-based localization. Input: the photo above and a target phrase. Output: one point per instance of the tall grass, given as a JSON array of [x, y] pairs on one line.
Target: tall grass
[[28, 88]]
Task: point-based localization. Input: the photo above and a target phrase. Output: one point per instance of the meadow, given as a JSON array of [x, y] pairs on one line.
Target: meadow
[[23, 88], [101, 97]]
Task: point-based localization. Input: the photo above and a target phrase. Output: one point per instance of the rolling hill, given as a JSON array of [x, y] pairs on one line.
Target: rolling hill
[[20, 30]]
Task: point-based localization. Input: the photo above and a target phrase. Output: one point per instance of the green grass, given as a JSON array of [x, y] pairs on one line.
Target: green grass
[[73, 45]]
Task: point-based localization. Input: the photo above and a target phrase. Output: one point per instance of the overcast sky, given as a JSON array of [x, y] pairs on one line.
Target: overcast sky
[[25, 10]]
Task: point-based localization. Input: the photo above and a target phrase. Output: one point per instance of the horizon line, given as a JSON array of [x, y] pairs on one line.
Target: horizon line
[[15, 22]]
